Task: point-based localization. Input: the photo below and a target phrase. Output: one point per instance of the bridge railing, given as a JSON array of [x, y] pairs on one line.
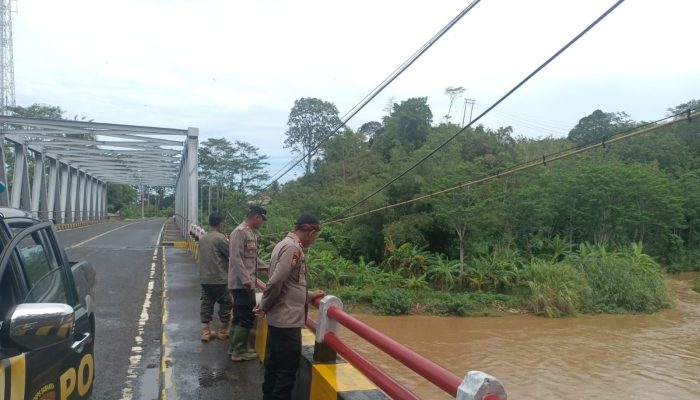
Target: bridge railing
[[476, 385]]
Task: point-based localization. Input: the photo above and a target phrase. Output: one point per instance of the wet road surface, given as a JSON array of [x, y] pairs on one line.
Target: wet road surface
[[127, 261], [199, 370]]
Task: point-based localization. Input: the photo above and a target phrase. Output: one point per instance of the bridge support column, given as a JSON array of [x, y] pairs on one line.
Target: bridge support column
[[98, 200], [72, 207], [20, 181], [4, 195], [186, 186], [80, 200], [39, 203], [53, 192], [90, 209], [192, 175], [65, 193], [104, 200]]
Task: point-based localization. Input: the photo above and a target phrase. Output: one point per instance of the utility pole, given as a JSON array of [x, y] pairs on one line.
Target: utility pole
[[464, 113], [7, 67]]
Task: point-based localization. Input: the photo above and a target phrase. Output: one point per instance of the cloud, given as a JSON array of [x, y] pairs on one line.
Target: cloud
[[234, 68]]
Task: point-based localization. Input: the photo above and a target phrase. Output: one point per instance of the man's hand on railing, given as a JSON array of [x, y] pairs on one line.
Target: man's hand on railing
[[317, 294], [258, 311]]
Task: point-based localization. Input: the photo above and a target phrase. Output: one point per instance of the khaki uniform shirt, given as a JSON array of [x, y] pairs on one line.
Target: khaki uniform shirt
[[285, 297], [213, 258], [243, 259]]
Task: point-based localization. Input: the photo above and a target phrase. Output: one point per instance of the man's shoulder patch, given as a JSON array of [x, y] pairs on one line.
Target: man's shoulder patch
[[295, 259]]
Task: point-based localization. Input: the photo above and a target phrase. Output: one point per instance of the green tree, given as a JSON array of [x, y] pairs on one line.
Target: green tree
[[407, 127], [311, 121], [38, 110], [371, 129], [598, 125], [226, 166], [120, 196], [251, 167]]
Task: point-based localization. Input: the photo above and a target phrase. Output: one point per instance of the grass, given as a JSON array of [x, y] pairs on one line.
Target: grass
[[556, 290], [624, 281], [590, 279]]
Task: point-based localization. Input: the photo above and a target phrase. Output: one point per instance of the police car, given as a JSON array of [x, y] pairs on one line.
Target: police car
[[47, 304]]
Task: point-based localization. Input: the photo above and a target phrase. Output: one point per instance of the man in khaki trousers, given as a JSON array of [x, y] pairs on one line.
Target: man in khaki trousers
[[242, 277]]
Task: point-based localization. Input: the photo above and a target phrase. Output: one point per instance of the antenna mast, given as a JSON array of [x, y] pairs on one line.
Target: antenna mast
[[7, 65]]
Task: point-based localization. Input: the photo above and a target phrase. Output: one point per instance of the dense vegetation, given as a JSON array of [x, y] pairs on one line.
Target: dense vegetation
[[557, 240]]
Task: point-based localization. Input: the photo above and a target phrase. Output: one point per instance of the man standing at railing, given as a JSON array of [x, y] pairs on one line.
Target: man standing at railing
[[242, 277], [213, 271], [284, 303]]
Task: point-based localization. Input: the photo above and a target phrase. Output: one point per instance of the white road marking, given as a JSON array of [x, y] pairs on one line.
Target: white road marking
[[136, 350], [100, 235]]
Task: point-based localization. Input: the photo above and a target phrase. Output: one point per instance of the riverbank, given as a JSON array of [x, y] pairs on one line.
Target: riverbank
[[642, 356], [588, 279]]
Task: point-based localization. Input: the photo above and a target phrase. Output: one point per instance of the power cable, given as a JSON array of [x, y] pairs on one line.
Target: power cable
[[539, 162], [547, 122], [378, 89], [529, 123], [511, 91], [555, 156]]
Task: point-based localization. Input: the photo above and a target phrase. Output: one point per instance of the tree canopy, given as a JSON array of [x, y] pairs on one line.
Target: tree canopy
[[310, 122], [629, 192]]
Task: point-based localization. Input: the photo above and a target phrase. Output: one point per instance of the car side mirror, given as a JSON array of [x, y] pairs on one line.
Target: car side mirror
[[34, 326]]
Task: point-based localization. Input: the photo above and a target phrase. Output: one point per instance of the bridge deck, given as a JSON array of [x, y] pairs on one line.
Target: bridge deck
[[192, 369]]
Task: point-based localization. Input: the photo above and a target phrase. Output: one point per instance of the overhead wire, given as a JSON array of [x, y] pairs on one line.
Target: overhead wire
[[556, 156], [540, 161], [499, 101], [530, 123], [371, 95]]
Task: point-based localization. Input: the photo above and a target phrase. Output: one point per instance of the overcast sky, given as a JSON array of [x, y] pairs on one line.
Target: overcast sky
[[234, 68]]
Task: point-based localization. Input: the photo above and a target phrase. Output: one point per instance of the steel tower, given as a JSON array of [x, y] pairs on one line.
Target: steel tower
[[7, 66]]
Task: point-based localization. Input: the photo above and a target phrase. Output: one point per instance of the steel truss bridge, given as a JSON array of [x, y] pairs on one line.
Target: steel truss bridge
[[71, 162]]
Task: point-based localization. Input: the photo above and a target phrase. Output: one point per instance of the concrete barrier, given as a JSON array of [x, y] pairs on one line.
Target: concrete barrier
[[74, 225], [336, 380]]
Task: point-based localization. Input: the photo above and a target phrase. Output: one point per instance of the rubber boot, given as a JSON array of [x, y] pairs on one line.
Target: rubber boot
[[238, 345], [232, 339], [206, 333], [249, 351], [223, 331]]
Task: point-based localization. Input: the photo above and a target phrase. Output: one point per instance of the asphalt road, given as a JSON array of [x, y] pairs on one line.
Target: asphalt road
[[127, 260]]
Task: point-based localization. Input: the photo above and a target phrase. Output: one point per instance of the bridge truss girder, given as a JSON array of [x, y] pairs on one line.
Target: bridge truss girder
[[82, 157]]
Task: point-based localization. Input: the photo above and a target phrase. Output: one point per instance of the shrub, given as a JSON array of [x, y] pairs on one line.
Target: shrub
[[392, 301], [445, 303], [556, 289], [626, 280], [351, 294]]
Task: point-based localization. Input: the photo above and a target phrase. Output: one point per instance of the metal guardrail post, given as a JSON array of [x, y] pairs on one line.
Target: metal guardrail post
[[322, 351], [479, 385]]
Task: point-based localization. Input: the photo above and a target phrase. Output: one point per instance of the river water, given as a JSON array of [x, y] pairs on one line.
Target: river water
[[588, 357]]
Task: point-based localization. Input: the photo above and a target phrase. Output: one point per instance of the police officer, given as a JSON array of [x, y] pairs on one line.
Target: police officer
[[213, 271], [284, 303], [242, 277]]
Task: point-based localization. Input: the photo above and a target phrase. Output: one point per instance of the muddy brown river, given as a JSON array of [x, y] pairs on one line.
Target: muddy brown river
[[588, 357]]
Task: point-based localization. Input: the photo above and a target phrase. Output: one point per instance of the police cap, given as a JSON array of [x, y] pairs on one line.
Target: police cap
[[257, 210]]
